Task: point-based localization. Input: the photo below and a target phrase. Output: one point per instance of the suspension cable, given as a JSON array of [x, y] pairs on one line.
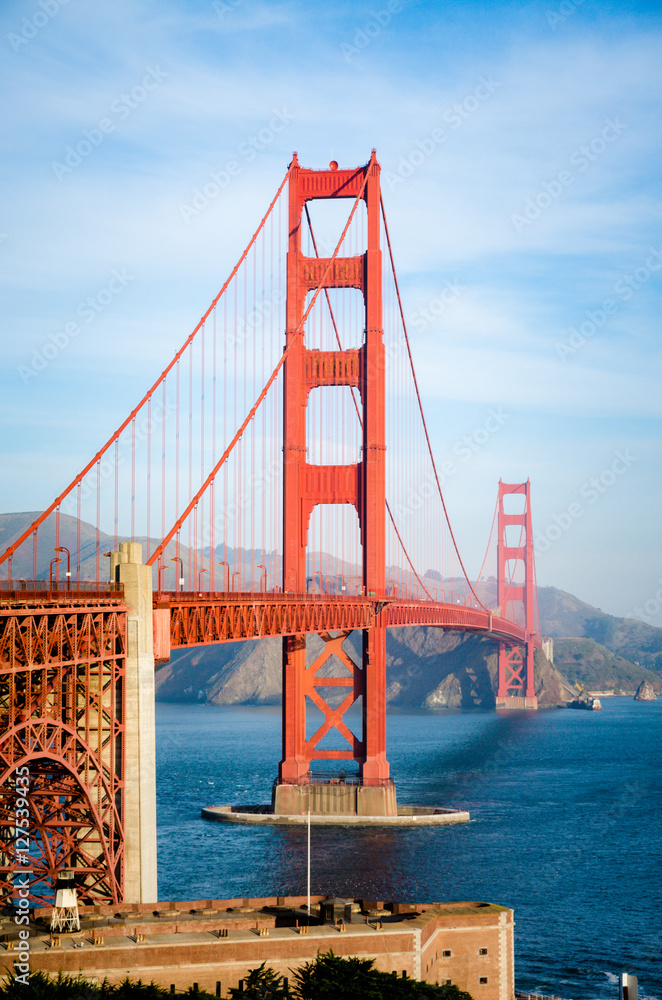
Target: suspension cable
[[79, 478], [358, 410], [297, 333], [420, 407]]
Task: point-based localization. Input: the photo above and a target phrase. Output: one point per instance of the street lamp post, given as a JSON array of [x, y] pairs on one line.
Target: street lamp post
[[237, 572], [55, 559], [63, 548], [263, 578], [181, 570], [200, 572], [227, 574]]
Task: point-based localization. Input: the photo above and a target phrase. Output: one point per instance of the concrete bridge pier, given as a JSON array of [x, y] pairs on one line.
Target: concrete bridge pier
[[140, 880]]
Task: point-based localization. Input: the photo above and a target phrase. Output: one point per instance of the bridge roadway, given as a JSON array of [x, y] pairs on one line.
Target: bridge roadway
[[198, 619], [33, 620]]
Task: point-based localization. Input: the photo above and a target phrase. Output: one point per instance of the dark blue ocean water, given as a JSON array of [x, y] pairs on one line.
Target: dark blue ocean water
[[566, 813]]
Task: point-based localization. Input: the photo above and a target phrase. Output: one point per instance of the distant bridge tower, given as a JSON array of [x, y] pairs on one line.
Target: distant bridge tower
[[516, 585]]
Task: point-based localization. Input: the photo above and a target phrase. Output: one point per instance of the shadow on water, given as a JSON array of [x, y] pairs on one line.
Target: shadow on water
[[565, 828]]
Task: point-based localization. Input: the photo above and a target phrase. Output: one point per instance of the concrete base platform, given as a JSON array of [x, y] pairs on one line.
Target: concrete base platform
[[517, 703], [406, 816], [334, 798]]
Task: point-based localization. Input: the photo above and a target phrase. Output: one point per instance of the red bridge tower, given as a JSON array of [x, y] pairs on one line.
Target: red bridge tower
[[362, 485], [515, 562]]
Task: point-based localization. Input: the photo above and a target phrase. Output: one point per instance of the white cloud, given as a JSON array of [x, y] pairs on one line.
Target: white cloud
[[450, 218]]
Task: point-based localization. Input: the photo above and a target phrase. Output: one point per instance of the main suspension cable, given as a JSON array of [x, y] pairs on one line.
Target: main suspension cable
[[420, 407]]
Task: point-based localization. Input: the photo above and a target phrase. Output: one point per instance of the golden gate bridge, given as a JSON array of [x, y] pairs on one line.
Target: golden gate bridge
[[261, 487]]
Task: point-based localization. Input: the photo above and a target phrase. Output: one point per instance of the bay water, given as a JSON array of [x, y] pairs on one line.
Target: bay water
[[566, 810]]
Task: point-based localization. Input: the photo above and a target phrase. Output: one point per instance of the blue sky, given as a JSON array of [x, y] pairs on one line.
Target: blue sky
[[520, 147]]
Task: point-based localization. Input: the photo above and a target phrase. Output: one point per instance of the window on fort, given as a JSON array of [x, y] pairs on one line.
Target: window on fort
[[482, 951], [446, 954], [449, 982], [483, 980]]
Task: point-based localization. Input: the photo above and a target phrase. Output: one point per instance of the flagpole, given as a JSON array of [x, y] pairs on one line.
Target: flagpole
[[309, 862]]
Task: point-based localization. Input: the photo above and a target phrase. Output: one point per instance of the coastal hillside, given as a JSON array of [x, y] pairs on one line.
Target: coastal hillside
[[429, 668], [426, 668], [564, 615], [593, 666]]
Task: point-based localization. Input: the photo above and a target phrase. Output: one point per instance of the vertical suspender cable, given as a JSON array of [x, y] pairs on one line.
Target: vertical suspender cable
[[149, 473], [98, 531], [78, 500]]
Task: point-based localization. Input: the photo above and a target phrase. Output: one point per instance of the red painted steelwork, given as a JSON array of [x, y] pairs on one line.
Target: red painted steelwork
[[199, 621], [33, 528], [62, 672], [214, 618], [361, 485], [516, 662], [63, 644]]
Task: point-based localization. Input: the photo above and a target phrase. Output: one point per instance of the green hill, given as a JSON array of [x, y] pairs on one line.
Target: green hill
[[595, 667], [426, 667]]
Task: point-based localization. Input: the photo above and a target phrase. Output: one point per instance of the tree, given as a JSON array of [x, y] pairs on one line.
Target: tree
[[330, 976], [262, 983], [66, 987]]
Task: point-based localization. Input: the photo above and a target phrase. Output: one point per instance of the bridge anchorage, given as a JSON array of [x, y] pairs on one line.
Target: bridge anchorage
[[293, 493]]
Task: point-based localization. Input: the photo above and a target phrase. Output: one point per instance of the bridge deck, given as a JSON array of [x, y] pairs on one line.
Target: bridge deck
[[198, 619]]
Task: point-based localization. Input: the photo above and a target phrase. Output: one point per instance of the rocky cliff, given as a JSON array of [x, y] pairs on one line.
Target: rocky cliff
[[426, 668], [429, 668], [564, 615], [591, 665], [645, 692]]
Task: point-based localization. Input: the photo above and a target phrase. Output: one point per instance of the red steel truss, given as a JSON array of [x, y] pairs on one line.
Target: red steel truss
[[182, 620], [361, 485], [63, 644], [515, 561], [62, 669]]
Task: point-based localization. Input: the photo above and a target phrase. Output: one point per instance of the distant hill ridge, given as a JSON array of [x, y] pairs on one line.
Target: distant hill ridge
[[429, 668], [425, 667]]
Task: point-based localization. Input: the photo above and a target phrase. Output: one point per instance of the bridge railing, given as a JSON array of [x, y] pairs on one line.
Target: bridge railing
[[53, 590], [333, 778]]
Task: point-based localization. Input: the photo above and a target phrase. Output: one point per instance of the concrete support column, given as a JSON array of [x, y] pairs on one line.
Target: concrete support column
[[140, 884]]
